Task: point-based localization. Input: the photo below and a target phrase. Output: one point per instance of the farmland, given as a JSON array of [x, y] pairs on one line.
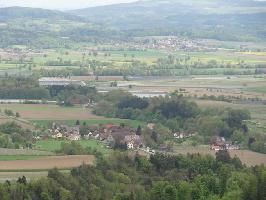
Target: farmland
[[249, 158], [192, 67], [45, 163], [209, 85], [45, 114], [23, 152], [54, 145], [49, 112], [33, 175]]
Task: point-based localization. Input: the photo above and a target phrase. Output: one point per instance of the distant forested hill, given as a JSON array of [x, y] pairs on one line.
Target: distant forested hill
[[45, 28], [217, 19], [230, 20], [10, 13]]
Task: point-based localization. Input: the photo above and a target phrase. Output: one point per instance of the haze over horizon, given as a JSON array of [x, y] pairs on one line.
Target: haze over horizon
[[60, 4]]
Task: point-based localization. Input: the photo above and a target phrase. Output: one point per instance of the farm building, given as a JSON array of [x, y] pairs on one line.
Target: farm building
[[219, 143], [57, 81]]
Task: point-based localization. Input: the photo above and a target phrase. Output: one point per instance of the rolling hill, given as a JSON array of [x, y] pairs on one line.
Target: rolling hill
[[217, 19], [229, 20], [11, 13]]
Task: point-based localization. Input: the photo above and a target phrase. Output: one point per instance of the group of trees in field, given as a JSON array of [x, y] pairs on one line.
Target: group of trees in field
[[160, 177], [74, 148], [28, 88], [14, 136], [176, 113], [22, 88], [66, 72], [70, 95], [167, 66]]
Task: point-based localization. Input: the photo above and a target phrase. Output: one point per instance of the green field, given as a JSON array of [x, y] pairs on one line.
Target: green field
[[17, 157], [53, 145]]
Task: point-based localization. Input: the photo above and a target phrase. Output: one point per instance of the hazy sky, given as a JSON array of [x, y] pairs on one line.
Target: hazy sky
[[60, 4]]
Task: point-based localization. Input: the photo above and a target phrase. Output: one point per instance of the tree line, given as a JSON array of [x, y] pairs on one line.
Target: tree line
[[124, 176]]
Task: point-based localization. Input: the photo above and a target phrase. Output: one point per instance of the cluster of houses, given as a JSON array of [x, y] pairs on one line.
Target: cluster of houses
[[114, 135], [167, 43], [65, 132], [219, 143], [109, 133]]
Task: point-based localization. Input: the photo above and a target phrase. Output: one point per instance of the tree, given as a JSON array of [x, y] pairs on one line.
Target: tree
[[138, 132], [223, 156], [17, 114], [235, 118], [238, 136], [22, 180], [245, 182], [184, 191]]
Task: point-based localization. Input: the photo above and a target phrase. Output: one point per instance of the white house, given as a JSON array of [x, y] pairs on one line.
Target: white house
[[74, 137], [57, 135], [130, 145]]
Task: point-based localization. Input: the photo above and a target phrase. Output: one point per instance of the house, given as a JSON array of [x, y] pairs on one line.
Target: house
[[133, 141], [219, 143], [130, 145], [182, 135], [151, 126], [74, 137], [113, 134], [64, 131], [110, 126], [179, 135], [57, 135], [88, 136]]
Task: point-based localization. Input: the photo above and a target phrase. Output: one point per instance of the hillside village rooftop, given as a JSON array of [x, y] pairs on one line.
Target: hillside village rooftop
[[57, 81]]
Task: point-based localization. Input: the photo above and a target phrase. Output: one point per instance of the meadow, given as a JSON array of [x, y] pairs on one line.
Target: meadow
[[54, 145], [45, 114]]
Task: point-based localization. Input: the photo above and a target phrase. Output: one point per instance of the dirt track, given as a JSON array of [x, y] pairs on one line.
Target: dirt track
[[48, 162]]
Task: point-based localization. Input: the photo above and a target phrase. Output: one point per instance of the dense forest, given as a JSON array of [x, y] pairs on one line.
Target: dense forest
[[160, 177]]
